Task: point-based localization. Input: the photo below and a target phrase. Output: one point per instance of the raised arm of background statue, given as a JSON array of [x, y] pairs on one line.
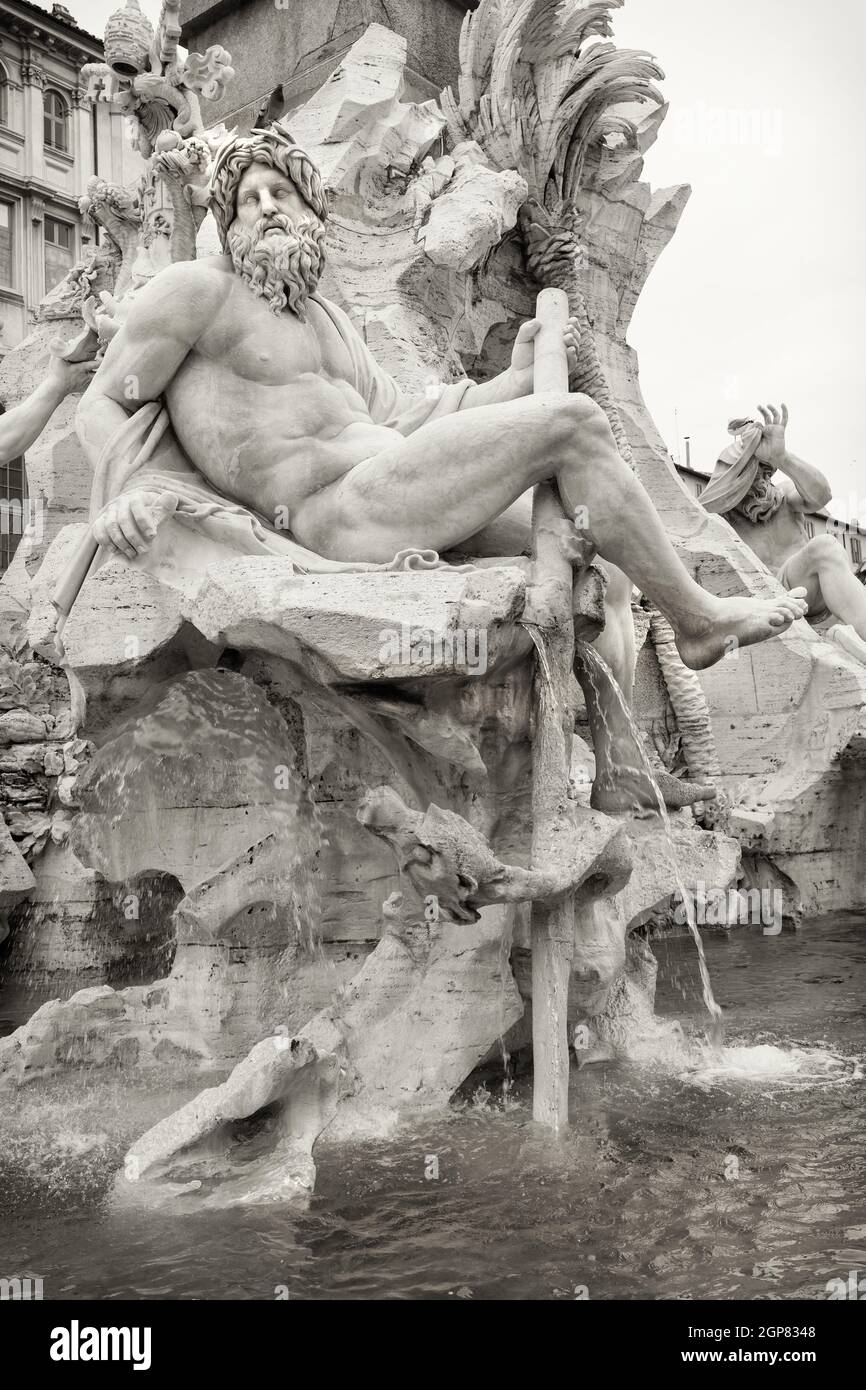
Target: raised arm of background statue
[[811, 490], [164, 321], [22, 425]]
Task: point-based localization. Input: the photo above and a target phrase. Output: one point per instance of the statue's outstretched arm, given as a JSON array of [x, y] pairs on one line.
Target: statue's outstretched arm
[[390, 405], [517, 379], [22, 425]]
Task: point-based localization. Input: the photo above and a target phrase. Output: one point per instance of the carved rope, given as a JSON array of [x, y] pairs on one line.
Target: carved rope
[[689, 704]]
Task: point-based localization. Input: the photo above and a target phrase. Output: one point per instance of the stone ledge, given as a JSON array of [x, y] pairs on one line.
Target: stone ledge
[[381, 626]]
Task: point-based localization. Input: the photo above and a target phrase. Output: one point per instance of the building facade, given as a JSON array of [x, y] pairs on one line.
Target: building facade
[[52, 139]]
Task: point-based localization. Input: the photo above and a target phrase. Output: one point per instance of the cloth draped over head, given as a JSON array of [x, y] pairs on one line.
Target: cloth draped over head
[[273, 147], [736, 468]]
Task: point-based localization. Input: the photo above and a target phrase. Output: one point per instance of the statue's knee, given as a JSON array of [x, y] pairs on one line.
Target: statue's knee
[[585, 409], [825, 550], [574, 416]]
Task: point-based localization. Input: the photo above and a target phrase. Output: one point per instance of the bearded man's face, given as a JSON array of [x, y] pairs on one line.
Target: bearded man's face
[[276, 241]]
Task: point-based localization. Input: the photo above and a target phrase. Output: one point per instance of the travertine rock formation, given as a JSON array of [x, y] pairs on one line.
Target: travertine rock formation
[[247, 1140], [400, 1036]]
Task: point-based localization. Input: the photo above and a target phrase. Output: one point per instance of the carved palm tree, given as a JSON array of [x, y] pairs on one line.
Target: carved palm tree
[[536, 98], [536, 95]]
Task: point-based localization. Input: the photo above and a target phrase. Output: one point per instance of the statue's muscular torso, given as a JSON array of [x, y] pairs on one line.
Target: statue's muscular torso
[[773, 541], [264, 405]]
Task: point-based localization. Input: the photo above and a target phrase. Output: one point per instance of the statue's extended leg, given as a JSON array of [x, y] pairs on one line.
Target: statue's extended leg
[[450, 478]]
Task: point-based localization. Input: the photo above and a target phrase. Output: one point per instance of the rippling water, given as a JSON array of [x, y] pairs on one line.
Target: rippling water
[[695, 1175]]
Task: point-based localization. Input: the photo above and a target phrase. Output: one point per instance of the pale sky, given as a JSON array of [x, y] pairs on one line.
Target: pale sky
[[760, 295]]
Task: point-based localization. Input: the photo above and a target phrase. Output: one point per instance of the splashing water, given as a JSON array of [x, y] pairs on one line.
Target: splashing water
[[783, 1067], [668, 1049], [635, 1197]]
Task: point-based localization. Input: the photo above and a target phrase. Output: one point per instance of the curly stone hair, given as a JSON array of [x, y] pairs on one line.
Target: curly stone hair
[[275, 148]]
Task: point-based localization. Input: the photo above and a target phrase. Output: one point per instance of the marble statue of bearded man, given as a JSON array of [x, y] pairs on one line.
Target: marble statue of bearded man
[[260, 421]]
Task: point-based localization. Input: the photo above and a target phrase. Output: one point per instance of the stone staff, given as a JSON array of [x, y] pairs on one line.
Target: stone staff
[[552, 824]]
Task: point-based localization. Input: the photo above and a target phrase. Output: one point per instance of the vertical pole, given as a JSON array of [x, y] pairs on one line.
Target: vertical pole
[[553, 921]]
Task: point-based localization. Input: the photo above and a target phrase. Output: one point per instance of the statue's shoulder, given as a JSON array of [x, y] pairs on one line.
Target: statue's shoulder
[[209, 278], [214, 270]]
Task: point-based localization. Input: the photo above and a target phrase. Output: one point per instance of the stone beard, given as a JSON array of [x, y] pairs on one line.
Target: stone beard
[[762, 501], [284, 269]]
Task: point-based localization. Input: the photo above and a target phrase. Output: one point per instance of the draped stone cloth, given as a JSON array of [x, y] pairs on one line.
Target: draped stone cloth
[[144, 453], [736, 468]]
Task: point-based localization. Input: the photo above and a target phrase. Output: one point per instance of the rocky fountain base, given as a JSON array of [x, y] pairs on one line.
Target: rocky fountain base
[[348, 850]]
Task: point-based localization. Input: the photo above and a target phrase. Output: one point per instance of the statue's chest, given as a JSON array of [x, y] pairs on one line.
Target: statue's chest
[[275, 350]]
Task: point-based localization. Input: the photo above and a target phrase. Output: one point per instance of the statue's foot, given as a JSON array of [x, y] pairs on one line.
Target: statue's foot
[[738, 623], [631, 790], [678, 793], [845, 636]]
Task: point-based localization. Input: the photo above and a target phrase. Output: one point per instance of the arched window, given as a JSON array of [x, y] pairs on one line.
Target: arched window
[[4, 96], [56, 121]]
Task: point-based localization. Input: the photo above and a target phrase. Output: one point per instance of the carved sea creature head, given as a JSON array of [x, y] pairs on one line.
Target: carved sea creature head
[[270, 207]]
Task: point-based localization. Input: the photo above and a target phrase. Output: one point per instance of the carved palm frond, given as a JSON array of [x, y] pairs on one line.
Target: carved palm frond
[[478, 38], [536, 91], [535, 96]]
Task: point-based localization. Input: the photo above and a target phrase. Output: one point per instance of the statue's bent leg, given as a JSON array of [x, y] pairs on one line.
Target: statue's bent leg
[[450, 478], [823, 568], [439, 485]]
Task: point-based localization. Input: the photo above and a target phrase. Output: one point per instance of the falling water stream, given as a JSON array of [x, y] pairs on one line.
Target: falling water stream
[[599, 671]]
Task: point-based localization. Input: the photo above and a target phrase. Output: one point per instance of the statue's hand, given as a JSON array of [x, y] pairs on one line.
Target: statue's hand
[[108, 316], [68, 376], [771, 449], [523, 352], [419, 560], [130, 522]]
